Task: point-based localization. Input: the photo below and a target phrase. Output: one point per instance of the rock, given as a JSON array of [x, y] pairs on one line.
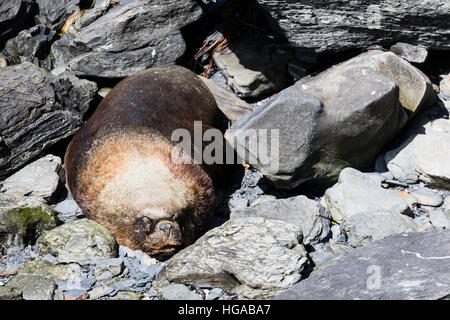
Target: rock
[[103, 92], [122, 284], [74, 294], [356, 193], [427, 198], [7, 293], [40, 178], [423, 223], [113, 266], [33, 287], [68, 210], [337, 26], [364, 228], [321, 257], [444, 85], [99, 292], [215, 294], [78, 241], [411, 53], [178, 292], [31, 45], [439, 219], [254, 67], [3, 61], [415, 89], [127, 295], [60, 272], [299, 210], [287, 112], [399, 267], [22, 221], [446, 205], [38, 110], [233, 107], [360, 121], [37, 279], [118, 41], [14, 16], [253, 257], [54, 14], [424, 156]]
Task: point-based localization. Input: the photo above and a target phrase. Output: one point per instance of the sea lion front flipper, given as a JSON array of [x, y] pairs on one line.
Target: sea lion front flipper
[[233, 107]]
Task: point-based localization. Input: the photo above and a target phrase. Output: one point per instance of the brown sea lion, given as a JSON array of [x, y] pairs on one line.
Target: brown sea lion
[[119, 167]]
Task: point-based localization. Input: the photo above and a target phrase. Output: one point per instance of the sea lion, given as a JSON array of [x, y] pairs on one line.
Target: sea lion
[[119, 168]]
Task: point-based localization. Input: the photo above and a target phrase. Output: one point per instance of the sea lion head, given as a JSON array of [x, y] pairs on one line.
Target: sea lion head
[[160, 238]]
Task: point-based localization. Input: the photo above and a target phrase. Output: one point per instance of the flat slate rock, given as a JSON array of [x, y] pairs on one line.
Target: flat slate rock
[[118, 41], [404, 266]]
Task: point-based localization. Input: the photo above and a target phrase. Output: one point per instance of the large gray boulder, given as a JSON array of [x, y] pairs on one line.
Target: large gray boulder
[[300, 211], [339, 25], [253, 257], [37, 110], [342, 117], [321, 132], [424, 156], [411, 266], [119, 40]]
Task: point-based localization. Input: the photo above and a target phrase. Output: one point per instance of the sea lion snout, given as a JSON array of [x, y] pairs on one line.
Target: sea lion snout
[[166, 227]]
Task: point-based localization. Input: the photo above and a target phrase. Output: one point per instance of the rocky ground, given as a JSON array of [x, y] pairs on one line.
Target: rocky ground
[[358, 208]]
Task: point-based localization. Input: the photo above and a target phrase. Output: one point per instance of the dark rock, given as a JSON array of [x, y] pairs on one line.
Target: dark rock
[[254, 67], [38, 110], [14, 16], [410, 53], [233, 107], [53, 14], [118, 41], [412, 266], [342, 117], [339, 25], [32, 45]]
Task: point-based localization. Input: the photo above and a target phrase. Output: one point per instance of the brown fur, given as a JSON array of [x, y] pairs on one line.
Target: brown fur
[[119, 167]]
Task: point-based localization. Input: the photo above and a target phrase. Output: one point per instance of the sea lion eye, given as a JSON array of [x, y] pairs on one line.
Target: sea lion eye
[[145, 224]]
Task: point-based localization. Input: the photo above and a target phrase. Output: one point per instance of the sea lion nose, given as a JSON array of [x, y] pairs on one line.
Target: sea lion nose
[[166, 227]]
